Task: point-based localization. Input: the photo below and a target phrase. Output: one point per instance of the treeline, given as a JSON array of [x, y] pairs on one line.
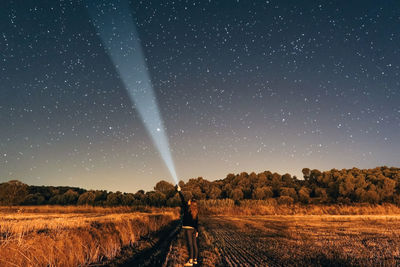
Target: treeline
[[374, 186], [378, 185], [17, 193]]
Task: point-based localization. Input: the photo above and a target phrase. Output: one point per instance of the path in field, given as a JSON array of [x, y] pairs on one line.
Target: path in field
[[148, 251]]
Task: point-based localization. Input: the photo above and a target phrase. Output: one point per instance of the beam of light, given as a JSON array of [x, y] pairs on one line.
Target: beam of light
[[114, 24]]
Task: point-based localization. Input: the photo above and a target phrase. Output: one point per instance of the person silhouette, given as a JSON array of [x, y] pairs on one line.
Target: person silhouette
[[190, 223]]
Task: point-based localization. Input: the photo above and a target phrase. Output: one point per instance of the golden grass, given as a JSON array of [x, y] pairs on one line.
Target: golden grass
[[270, 207], [289, 234], [73, 236], [73, 209]]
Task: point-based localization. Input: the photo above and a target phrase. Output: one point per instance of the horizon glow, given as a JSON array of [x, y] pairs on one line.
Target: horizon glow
[[121, 41]]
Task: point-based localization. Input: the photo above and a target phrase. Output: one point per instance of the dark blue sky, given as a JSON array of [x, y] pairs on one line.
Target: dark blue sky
[[242, 86]]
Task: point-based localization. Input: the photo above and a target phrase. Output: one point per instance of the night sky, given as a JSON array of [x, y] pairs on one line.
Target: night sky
[[241, 86]]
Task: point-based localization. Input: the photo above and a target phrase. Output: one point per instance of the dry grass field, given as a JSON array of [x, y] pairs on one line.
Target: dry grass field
[[327, 236], [74, 236], [270, 207], [254, 234]]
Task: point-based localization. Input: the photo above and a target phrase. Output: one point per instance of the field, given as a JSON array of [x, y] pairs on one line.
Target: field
[[88, 236], [76, 236], [297, 240], [326, 240]]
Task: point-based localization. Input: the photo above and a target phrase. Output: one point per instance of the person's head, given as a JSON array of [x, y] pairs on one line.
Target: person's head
[[193, 208]]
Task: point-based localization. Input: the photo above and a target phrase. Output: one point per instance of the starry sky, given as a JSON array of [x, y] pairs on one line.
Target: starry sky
[[241, 86]]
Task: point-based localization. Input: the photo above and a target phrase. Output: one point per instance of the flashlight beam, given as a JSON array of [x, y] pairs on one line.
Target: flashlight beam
[[114, 24]]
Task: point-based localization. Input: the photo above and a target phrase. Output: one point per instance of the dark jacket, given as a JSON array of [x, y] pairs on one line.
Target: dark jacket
[[187, 219]]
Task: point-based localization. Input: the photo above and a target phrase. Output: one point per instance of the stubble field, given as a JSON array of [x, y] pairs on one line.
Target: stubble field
[[316, 240], [326, 236]]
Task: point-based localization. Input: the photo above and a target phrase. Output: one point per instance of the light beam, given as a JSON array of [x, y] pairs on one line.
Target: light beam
[[114, 24]]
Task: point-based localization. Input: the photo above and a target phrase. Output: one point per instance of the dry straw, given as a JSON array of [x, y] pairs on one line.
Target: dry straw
[[73, 236]]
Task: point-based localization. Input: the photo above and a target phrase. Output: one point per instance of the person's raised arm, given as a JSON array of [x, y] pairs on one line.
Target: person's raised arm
[[178, 188]]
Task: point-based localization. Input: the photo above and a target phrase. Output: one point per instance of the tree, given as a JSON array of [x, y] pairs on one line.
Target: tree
[[127, 199], [87, 198], [156, 198], [360, 194], [321, 194], [100, 197], [166, 188], [304, 195], [197, 193], [346, 187], [227, 190], [140, 197], [276, 183], [262, 192], [306, 173], [236, 194], [287, 179], [34, 199], [262, 180], [174, 201], [13, 192], [387, 190], [214, 193], [288, 191], [230, 177], [315, 176], [69, 198], [114, 199], [372, 196]]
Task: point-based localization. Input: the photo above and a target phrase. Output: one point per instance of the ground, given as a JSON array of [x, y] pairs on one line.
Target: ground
[[93, 236], [307, 240]]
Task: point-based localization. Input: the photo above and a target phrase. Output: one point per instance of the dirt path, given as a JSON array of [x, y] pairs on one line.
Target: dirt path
[[148, 251]]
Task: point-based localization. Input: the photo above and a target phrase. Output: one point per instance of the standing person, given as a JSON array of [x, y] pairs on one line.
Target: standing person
[[190, 224]]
